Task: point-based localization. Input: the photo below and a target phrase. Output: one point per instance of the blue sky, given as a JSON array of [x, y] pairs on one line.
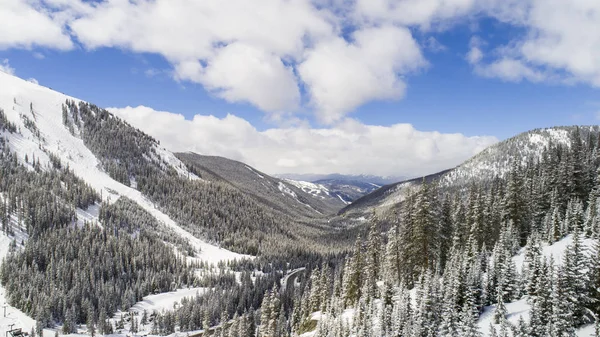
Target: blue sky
[[446, 96], [467, 67]]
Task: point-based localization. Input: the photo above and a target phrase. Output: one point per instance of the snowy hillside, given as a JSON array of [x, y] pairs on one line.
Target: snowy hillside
[[496, 160], [520, 308], [346, 188], [24, 102], [286, 196], [516, 310], [492, 162]]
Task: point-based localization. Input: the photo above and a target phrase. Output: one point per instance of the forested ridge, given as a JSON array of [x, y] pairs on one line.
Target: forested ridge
[[435, 264], [213, 211], [50, 275], [444, 255]]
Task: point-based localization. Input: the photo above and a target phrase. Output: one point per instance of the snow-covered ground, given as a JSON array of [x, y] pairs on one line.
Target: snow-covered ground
[[284, 189], [556, 250], [165, 301], [18, 96], [521, 308], [13, 316], [311, 188], [516, 309]]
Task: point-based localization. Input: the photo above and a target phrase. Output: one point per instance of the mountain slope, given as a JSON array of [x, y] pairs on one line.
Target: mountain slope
[[282, 195], [346, 188], [492, 162], [118, 160], [37, 112]]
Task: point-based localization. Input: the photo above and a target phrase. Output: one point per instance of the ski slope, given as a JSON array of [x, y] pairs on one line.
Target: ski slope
[[18, 96]]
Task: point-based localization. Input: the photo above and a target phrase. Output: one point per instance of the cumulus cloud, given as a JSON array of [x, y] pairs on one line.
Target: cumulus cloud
[[5, 67], [475, 54], [560, 42], [511, 70], [25, 24], [422, 13], [283, 56], [398, 149], [433, 45], [341, 76], [240, 72], [266, 53]]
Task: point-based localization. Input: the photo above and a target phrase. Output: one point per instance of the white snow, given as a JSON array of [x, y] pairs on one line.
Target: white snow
[[260, 176], [165, 301], [286, 190], [556, 250], [521, 307], [344, 201], [311, 188], [89, 215], [47, 105]]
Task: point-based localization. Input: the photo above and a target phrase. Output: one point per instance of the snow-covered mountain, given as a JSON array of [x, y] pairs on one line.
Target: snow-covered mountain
[[345, 188], [38, 114], [117, 160], [76, 181], [287, 196], [363, 178], [494, 161]]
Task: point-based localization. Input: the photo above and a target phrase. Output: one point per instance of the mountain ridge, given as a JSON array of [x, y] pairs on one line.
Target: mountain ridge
[[494, 161]]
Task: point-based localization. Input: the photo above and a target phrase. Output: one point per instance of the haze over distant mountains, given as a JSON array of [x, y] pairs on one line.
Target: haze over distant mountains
[[365, 178]]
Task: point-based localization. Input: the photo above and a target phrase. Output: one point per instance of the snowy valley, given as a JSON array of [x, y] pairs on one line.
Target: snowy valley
[[106, 232]]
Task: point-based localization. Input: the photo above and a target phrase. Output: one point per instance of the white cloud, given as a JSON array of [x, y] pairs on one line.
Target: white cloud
[[391, 150], [510, 70], [341, 76], [261, 52], [433, 45], [25, 24], [560, 42], [269, 53], [423, 13], [475, 54], [5, 67], [240, 72]]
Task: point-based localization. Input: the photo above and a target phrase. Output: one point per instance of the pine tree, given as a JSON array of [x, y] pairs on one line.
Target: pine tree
[[469, 320], [500, 312], [265, 315], [562, 308], [515, 205], [391, 268], [574, 280], [353, 275], [594, 279]]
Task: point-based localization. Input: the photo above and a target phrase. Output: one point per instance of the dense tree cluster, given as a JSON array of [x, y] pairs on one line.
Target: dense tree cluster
[[49, 276], [128, 216], [42, 199], [124, 151], [214, 211], [448, 256], [52, 278], [5, 124]]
